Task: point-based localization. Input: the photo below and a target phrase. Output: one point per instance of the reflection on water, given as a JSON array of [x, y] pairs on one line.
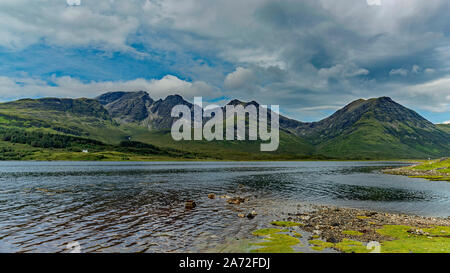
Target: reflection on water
[[139, 207], [350, 192]]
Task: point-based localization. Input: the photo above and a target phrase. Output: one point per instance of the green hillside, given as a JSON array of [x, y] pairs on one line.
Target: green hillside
[[369, 139], [60, 129], [378, 128], [444, 127], [118, 126], [291, 147], [79, 117], [87, 119]]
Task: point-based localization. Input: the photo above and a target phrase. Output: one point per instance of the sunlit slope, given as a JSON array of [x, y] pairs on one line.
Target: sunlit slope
[[378, 128], [291, 147], [79, 117], [444, 127]]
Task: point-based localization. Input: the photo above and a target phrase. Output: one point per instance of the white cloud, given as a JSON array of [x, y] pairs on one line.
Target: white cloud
[[239, 78], [73, 2], [343, 71], [172, 85], [295, 37], [374, 2], [27, 22], [433, 96], [323, 107], [446, 122], [415, 69], [401, 72], [15, 88]]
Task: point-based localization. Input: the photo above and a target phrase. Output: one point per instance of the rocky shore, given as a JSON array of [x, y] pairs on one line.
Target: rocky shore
[[314, 228], [356, 231], [334, 224]]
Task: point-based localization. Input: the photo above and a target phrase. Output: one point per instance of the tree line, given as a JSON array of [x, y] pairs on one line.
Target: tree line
[[46, 140]]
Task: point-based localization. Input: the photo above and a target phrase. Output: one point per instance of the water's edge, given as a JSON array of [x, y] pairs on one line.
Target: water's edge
[[140, 206]]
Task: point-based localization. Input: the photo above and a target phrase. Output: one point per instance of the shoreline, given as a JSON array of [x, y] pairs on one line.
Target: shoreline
[[332, 221], [350, 230], [433, 170], [403, 161]]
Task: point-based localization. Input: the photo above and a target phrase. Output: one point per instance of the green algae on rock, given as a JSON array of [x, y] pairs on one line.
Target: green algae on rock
[[320, 245], [347, 246], [351, 246], [408, 239], [352, 232], [277, 243], [286, 224], [267, 231]]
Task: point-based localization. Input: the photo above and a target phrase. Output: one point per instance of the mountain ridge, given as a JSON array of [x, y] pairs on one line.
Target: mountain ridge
[[363, 129]]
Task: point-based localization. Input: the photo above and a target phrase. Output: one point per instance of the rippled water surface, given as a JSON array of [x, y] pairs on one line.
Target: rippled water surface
[[139, 207]]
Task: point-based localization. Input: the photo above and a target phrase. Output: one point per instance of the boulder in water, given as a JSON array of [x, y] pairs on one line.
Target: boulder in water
[[236, 200], [190, 204]]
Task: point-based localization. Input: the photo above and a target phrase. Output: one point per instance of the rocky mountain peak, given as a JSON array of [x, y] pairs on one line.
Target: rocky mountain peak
[[236, 102], [174, 98], [126, 106], [239, 102]]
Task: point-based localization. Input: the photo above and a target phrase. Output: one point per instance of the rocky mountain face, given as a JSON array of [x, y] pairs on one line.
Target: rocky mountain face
[[126, 106], [364, 129], [377, 127], [160, 112], [382, 110], [138, 107]]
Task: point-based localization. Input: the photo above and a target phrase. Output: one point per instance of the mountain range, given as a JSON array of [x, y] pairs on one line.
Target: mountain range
[[377, 128]]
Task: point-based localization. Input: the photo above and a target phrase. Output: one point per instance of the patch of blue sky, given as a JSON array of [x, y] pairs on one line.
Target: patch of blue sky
[[434, 117], [85, 64]]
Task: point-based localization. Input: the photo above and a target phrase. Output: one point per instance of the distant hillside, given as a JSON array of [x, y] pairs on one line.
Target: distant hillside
[[80, 117], [374, 128], [444, 127], [377, 128]]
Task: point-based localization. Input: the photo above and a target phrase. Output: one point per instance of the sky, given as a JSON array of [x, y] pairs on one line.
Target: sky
[[311, 57]]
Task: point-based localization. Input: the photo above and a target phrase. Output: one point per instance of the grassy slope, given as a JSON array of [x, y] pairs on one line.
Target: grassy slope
[[291, 147], [39, 116], [34, 115], [370, 139], [444, 127], [17, 151], [441, 166]]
